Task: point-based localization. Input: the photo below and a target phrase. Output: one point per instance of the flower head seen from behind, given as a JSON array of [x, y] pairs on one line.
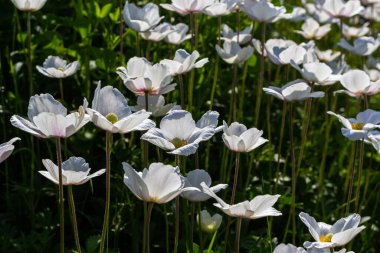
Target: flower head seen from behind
[[232, 53], [29, 5], [159, 184], [7, 148], [230, 35], [358, 83], [184, 62], [48, 118], [259, 207], [341, 8], [56, 67], [110, 112], [263, 11], [157, 33], [156, 105], [75, 171], [318, 73], [312, 30], [188, 6], [330, 236], [363, 46], [240, 139], [208, 223], [288, 248], [141, 19], [178, 34]]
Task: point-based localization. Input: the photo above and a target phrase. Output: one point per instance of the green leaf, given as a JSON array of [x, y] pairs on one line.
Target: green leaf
[[106, 9]]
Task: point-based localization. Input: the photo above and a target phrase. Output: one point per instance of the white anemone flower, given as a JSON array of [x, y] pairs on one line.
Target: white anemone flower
[[178, 133], [263, 11], [56, 67], [185, 7], [358, 83], [341, 8], [220, 8], [7, 148], [355, 32], [293, 91], [136, 67], [209, 119], [75, 171], [156, 105], [374, 74], [179, 34], [157, 33], [184, 62], [288, 248], [110, 112], [331, 236], [285, 52], [374, 139], [232, 53], [296, 15], [318, 13], [208, 223], [141, 19], [259, 207], [159, 184], [318, 73], [230, 35], [194, 179], [48, 118], [272, 45], [327, 55], [372, 12], [240, 139], [358, 128], [363, 46], [312, 30], [29, 5]]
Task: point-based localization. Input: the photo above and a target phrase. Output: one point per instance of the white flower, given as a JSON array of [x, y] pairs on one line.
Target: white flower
[[358, 128], [354, 32], [232, 53], [229, 35], [194, 179], [178, 35], [184, 62], [159, 184], [263, 11], [372, 12], [48, 118], [288, 248], [220, 8], [156, 105], [185, 7], [56, 67], [29, 5], [312, 30], [297, 14], [75, 171], [240, 139], [374, 139], [327, 55], [318, 13], [141, 19], [281, 52], [327, 236], [110, 112], [209, 119], [259, 207], [318, 73], [363, 46], [357, 83], [157, 33], [178, 133], [341, 8], [272, 44], [209, 224], [7, 148], [136, 67], [374, 74], [293, 91]]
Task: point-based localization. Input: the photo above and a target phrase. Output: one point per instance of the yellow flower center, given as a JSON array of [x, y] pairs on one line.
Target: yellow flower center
[[357, 126], [178, 142], [326, 238], [112, 117], [61, 69]]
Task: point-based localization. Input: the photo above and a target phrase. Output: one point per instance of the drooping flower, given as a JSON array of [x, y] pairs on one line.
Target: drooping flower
[[357, 83], [178, 134], [156, 105], [363, 46], [56, 67], [48, 118], [194, 179], [157, 33], [184, 62], [259, 207], [263, 11], [188, 6], [110, 112], [7, 148], [318, 73], [232, 53], [240, 139], [208, 223], [29, 5], [141, 19], [358, 128], [179, 34], [293, 91], [341, 8], [159, 184], [75, 171], [230, 35], [312, 30], [330, 236]]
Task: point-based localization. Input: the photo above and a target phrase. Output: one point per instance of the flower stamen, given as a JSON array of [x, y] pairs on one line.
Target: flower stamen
[[357, 126], [178, 142], [326, 238], [112, 117]]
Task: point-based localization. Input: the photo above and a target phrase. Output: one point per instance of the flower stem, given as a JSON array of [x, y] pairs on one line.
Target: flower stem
[[104, 237], [212, 242], [351, 182], [121, 30], [261, 78], [235, 178], [232, 112], [146, 143], [283, 117], [61, 207], [293, 160], [238, 228], [360, 172], [30, 73], [61, 88], [200, 228], [73, 217], [176, 236], [137, 44], [182, 91], [192, 227], [148, 214]]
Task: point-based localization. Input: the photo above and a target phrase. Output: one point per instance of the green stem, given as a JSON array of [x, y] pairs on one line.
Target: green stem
[[261, 78], [351, 182], [30, 72], [104, 237], [232, 111], [181, 91], [212, 242], [200, 228], [283, 117], [61, 89], [192, 227], [176, 233], [293, 160], [137, 44], [146, 143], [238, 228], [147, 215], [61, 206], [360, 171], [73, 216], [235, 178]]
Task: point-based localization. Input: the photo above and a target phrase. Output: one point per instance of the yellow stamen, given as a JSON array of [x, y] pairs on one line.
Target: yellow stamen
[[326, 238], [112, 117], [178, 142], [357, 126]]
